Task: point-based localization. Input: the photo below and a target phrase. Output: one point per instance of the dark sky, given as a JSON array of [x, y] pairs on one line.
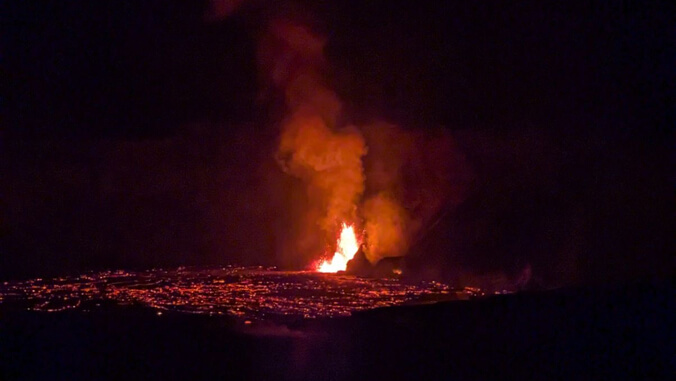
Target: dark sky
[[134, 132]]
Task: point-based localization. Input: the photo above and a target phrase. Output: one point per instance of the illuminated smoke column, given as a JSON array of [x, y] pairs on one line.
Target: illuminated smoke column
[[387, 196], [313, 146]]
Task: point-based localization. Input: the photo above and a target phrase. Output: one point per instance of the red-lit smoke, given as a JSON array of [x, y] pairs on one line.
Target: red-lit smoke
[[389, 191]]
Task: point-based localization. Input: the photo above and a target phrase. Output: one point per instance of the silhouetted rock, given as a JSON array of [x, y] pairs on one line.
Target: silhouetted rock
[[388, 267], [359, 265]]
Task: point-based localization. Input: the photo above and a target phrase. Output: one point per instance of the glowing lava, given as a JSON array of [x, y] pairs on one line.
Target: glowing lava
[[347, 248]]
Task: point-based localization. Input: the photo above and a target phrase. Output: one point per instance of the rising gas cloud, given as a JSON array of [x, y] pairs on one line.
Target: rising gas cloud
[[413, 178], [387, 181], [313, 146]]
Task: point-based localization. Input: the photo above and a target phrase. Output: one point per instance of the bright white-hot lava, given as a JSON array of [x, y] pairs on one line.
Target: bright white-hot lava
[[347, 248]]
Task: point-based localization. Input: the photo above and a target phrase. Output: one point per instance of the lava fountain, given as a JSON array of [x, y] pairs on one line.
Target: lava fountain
[[348, 245]]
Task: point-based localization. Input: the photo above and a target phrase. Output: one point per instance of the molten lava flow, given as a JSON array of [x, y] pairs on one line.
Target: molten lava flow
[[347, 248]]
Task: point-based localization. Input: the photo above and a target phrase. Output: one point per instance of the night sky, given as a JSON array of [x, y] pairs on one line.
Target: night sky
[[139, 134]]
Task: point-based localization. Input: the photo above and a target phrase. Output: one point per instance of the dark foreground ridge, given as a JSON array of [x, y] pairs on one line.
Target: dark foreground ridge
[[613, 333]]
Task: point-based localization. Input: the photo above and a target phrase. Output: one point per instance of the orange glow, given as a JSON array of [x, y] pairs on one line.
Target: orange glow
[[347, 248]]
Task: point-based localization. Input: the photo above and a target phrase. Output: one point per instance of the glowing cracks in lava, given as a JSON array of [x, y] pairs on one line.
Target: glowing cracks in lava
[[347, 248]]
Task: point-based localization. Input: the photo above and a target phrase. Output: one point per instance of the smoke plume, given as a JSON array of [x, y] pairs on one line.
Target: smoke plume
[[313, 145], [412, 178], [391, 193], [219, 9]]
